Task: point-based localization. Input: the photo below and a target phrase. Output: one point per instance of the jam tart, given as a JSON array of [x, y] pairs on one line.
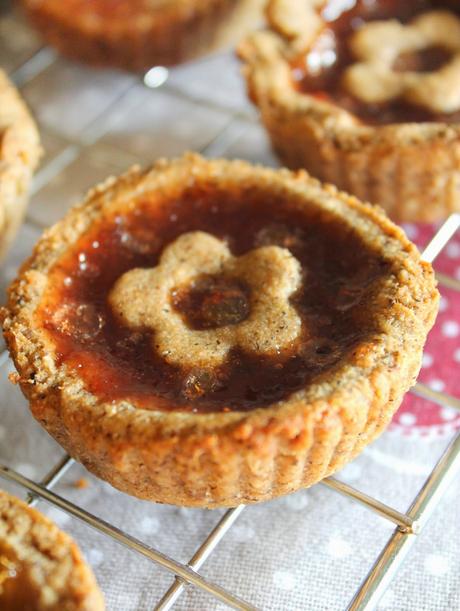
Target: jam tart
[[139, 34], [209, 333], [41, 568], [19, 155], [365, 95]]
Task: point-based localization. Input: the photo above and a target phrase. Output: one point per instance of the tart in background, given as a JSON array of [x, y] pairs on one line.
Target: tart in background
[[19, 154], [209, 333], [365, 96], [41, 568], [139, 34]]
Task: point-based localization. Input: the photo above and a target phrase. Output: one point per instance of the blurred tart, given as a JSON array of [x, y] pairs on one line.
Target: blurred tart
[[19, 155], [139, 34], [41, 568], [208, 333], [365, 95]]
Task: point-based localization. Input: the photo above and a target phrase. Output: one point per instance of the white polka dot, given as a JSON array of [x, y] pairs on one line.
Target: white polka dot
[[243, 533], [27, 470], [95, 556], [453, 250], [443, 304], [437, 385], [297, 501], [58, 517], [351, 472], [457, 355], [427, 360], [436, 565], [2, 432], [338, 547], [149, 525], [411, 230], [407, 419], [450, 328], [449, 413], [284, 580]]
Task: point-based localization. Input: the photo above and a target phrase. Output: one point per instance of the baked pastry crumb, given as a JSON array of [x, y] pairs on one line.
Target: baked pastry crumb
[[41, 568], [114, 324], [139, 34], [364, 96], [19, 155]]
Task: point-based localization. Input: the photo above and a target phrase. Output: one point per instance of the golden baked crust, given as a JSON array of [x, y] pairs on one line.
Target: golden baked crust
[[47, 567], [411, 169], [19, 155], [222, 459], [137, 35]]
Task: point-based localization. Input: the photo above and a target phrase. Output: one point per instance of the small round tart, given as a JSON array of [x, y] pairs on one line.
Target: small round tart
[[41, 568], [207, 333], [365, 95], [139, 34], [19, 155]]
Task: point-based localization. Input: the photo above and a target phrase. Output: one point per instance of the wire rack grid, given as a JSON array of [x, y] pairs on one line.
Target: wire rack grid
[[408, 525]]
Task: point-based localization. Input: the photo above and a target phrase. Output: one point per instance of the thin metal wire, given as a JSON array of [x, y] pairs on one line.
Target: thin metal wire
[[405, 522], [388, 562], [200, 556], [447, 230], [392, 556], [52, 477], [436, 396], [128, 541]]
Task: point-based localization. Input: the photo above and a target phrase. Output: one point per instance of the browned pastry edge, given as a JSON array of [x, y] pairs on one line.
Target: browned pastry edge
[[223, 459], [57, 570], [19, 154], [411, 170], [184, 31]]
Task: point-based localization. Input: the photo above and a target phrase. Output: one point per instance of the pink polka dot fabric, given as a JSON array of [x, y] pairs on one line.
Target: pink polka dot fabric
[[441, 362]]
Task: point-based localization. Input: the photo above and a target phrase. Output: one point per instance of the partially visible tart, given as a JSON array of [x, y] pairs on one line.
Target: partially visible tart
[[207, 333], [19, 155], [365, 95], [41, 568], [139, 34]]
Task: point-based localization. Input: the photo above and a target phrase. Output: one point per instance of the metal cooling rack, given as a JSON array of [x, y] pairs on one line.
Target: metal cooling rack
[[408, 525]]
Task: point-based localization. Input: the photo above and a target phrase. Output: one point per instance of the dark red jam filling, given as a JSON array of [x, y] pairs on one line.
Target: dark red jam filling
[[318, 71], [211, 302], [340, 275]]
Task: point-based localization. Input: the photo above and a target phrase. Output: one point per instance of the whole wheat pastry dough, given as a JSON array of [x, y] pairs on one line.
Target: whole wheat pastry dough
[[141, 297], [252, 424], [139, 34], [41, 568], [334, 102], [377, 45], [19, 155]]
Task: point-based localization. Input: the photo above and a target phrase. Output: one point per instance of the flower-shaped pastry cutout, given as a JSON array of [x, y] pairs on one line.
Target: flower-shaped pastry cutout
[[142, 299], [377, 45]]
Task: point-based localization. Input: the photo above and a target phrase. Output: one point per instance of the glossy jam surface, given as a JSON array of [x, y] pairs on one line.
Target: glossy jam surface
[[339, 275], [211, 302], [16, 590], [318, 71]]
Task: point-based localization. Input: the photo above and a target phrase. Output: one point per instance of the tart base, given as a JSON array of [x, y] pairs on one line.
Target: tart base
[[412, 170], [228, 458], [175, 37], [49, 562], [19, 154]]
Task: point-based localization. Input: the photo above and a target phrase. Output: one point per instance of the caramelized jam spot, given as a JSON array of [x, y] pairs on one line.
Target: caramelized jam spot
[[424, 60], [16, 590], [211, 302]]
